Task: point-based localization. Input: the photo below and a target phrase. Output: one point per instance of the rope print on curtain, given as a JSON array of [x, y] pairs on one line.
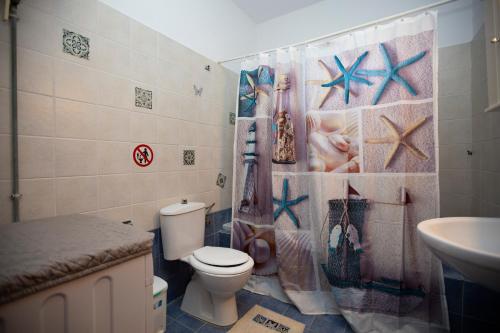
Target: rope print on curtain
[[341, 138]]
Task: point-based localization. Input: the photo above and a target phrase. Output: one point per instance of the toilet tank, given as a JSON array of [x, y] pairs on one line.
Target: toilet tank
[[182, 229]]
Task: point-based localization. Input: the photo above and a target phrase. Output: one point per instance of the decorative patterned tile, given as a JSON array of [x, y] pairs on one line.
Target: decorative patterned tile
[[188, 157], [143, 98], [232, 118], [197, 90], [221, 180], [76, 44]]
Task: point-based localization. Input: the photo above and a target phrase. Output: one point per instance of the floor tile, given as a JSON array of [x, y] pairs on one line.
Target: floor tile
[[174, 309], [329, 323], [295, 314], [209, 328], [175, 327], [190, 321], [274, 305]]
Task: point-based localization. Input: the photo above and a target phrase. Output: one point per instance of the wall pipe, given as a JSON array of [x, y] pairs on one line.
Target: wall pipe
[[15, 196], [348, 30]]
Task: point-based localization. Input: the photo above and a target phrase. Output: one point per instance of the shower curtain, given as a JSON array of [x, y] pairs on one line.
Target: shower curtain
[[336, 162]]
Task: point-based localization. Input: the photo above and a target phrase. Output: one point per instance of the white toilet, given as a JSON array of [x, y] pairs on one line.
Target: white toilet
[[219, 272]]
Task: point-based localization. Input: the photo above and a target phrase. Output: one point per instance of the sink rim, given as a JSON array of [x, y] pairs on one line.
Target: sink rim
[[487, 259]]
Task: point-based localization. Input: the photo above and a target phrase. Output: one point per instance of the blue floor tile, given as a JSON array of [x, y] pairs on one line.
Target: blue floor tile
[[295, 314], [480, 303], [174, 309], [329, 323], [274, 305], [175, 327], [209, 328], [190, 321]]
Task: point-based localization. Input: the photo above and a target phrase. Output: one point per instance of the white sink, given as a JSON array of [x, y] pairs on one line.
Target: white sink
[[471, 245]]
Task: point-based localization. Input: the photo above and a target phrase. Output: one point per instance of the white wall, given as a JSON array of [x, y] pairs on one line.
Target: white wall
[[458, 22], [218, 29]]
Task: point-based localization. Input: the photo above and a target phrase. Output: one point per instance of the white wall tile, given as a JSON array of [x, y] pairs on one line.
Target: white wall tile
[[82, 13], [36, 31], [114, 91], [76, 82], [113, 157], [76, 195], [5, 97], [142, 38], [113, 124], [115, 191], [35, 114], [168, 184], [35, 73], [143, 128], [111, 56], [143, 68], [39, 198], [168, 158], [76, 157], [4, 65], [112, 24], [76, 120], [36, 157], [5, 202], [144, 187], [145, 216]]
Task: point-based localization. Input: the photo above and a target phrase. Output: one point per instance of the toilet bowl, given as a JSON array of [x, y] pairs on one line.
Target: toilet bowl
[[219, 272]]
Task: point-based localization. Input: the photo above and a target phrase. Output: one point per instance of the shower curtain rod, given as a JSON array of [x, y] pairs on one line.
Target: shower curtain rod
[[344, 31]]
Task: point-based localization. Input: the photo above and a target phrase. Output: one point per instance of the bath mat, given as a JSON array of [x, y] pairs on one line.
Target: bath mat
[[262, 320]]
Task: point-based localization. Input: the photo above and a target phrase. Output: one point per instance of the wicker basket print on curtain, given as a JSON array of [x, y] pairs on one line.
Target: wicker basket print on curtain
[[361, 110]]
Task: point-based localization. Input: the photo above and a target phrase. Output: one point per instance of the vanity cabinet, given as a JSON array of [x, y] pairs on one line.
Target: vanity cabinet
[[492, 37]]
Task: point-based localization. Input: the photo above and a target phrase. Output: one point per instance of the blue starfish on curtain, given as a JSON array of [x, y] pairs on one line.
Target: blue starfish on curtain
[[391, 73], [348, 76], [284, 204], [249, 88]]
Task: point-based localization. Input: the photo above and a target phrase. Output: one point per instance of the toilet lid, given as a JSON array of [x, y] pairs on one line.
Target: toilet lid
[[220, 256]]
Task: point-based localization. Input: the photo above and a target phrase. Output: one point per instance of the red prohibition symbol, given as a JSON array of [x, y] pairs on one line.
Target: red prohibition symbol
[[143, 155]]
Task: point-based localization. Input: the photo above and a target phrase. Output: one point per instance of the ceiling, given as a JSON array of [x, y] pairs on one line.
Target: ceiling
[[263, 10]]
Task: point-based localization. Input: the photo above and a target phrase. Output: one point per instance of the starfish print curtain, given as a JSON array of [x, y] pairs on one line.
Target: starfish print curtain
[[336, 162]]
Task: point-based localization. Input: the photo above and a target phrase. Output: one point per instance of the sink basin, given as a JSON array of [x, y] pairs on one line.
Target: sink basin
[[471, 245]]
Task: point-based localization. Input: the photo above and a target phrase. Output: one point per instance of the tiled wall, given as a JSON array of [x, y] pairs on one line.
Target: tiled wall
[[455, 131], [485, 137], [79, 119], [469, 137], [177, 273]]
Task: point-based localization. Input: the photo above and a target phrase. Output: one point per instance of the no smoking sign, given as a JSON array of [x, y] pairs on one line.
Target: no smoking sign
[[143, 155]]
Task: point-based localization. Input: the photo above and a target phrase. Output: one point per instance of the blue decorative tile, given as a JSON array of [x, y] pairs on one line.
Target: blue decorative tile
[[75, 44], [451, 273], [454, 295], [190, 321], [224, 239], [294, 313]]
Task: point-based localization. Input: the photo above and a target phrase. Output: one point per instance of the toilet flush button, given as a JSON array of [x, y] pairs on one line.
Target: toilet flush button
[[184, 201]]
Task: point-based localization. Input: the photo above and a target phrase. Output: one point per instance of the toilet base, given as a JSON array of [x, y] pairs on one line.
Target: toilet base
[[220, 310]]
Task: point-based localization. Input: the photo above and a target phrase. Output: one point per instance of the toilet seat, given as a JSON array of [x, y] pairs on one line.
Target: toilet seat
[[236, 256], [220, 256]]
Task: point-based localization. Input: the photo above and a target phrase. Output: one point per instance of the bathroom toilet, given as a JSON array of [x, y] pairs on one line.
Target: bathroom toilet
[[219, 272]]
